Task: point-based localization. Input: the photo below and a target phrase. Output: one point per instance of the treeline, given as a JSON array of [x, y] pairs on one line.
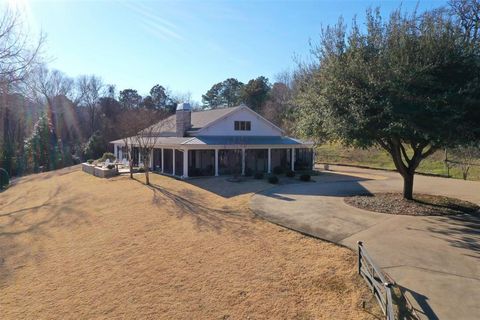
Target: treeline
[[51, 120], [273, 101]]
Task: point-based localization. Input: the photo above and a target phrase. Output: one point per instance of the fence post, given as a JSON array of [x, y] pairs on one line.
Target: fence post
[[359, 256], [389, 301]]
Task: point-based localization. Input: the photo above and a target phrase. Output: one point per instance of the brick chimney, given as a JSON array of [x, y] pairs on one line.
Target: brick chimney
[[184, 118]]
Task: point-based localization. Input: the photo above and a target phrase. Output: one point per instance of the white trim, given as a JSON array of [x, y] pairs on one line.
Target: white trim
[[162, 160], [269, 164], [243, 161], [185, 164], [292, 159], [216, 162], [173, 164]]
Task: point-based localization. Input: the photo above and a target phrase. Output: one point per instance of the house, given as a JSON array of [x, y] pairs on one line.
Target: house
[[220, 142]]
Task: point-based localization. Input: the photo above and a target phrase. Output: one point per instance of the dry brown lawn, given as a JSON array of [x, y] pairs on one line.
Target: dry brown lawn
[[73, 246]]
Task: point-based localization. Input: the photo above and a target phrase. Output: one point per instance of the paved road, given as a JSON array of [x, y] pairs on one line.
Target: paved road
[[437, 259]]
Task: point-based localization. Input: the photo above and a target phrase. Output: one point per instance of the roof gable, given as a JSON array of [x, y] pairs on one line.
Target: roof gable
[[220, 127], [203, 120]]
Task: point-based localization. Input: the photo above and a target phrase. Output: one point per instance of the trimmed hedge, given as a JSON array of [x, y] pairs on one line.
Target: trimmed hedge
[[90, 161], [107, 155], [273, 179], [4, 178], [305, 177], [258, 175], [290, 174], [278, 170]]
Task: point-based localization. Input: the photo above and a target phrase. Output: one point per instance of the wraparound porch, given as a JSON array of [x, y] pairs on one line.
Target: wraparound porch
[[194, 161]]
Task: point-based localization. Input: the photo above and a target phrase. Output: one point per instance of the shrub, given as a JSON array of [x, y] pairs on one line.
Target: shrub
[[273, 179], [141, 169], [111, 166], [90, 161], [258, 175], [95, 145], [305, 177], [278, 170], [107, 155], [290, 174], [248, 172], [4, 178]]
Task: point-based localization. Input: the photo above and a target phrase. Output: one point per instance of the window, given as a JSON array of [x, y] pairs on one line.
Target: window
[[242, 126]]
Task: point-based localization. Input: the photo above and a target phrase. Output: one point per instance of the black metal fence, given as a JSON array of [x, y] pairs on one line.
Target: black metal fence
[[381, 288]]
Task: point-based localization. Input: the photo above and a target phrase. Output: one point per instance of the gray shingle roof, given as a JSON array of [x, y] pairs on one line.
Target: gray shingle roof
[[200, 119]]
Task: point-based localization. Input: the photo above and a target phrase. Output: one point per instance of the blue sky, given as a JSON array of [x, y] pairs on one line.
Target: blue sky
[[186, 46]]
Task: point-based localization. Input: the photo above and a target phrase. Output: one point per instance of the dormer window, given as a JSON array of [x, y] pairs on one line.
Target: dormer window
[[243, 126]]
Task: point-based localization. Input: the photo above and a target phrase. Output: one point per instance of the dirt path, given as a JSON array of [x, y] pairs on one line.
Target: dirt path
[[73, 246], [437, 259]]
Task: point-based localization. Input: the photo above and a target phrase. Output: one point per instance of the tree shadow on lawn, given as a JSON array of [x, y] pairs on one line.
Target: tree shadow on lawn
[[21, 230], [224, 187], [205, 217]]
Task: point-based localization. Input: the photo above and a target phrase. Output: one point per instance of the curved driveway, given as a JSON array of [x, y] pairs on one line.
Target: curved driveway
[[436, 259]]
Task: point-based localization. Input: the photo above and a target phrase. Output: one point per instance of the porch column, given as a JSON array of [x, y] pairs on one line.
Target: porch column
[[150, 162], [292, 160], [243, 161], [162, 161], [269, 160], [173, 165], [313, 158], [185, 163], [216, 162], [120, 153]]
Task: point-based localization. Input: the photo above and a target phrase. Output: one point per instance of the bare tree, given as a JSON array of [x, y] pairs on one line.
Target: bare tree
[[147, 138], [47, 84], [468, 15], [140, 128], [17, 55], [466, 157], [89, 90]]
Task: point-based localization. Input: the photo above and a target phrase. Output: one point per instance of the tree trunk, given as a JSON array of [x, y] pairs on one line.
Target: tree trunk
[[147, 177], [130, 163], [408, 186]]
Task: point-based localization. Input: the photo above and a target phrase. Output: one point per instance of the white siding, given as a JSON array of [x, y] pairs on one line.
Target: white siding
[[225, 127]]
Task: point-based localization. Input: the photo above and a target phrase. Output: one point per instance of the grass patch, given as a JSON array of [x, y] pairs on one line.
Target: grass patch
[[115, 248], [379, 158]]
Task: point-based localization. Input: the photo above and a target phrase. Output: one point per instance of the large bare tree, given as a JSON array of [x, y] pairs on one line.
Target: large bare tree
[[89, 90], [18, 55]]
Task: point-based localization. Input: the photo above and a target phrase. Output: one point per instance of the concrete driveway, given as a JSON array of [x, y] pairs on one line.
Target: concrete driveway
[[436, 259]]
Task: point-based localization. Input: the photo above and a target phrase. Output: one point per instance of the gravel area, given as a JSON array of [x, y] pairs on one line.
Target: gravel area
[[421, 205]]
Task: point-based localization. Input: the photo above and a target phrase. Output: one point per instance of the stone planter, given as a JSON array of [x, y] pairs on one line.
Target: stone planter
[[88, 168], [98, 171]]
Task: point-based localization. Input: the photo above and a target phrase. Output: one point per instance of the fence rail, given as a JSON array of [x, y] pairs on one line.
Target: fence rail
[[381, 288]]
